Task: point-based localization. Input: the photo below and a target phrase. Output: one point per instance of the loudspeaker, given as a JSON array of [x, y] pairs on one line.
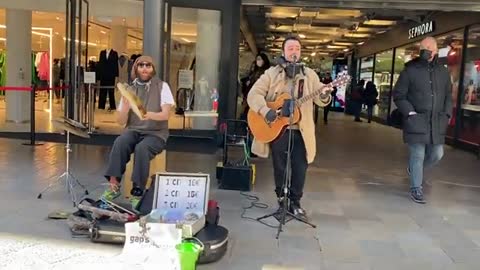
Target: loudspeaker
[[236, 178]]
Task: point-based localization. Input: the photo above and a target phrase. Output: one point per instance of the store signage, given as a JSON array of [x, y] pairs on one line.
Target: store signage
[[422, 29]]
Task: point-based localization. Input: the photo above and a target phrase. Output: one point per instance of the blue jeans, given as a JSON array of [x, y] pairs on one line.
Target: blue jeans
[[422, 156]]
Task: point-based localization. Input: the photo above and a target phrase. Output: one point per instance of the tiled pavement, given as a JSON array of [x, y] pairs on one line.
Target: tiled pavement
[[355, 194]]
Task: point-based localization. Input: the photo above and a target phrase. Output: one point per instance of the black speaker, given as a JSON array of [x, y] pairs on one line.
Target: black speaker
[[236, 178]]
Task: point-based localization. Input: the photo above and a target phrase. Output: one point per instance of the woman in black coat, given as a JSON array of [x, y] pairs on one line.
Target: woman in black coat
[[370, 96]]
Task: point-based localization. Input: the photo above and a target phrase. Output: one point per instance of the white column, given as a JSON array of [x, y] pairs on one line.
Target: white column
[[118, 38], [19, 60], [207, 63], [153, 34]]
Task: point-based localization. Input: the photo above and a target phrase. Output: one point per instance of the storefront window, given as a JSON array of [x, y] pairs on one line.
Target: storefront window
[[450, 55], [382, 77], [194, 67], [470, 111]]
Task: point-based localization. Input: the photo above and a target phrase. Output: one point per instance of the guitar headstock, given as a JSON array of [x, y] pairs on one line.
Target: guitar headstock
[[341, 80]]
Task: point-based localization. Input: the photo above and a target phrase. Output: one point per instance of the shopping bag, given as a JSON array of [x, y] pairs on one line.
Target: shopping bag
[[152, 245]]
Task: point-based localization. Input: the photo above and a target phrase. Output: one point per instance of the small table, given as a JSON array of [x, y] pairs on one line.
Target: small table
[[198, 114]]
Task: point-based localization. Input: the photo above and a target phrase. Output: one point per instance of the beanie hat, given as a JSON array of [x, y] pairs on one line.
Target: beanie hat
[[141, 59]]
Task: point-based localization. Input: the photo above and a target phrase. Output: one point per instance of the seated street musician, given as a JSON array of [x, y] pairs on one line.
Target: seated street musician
[[145, 137]]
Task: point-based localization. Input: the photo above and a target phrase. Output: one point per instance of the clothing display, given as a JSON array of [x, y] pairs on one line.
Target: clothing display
[[3, 69], [40, 68], [43, 66], [107, 70]]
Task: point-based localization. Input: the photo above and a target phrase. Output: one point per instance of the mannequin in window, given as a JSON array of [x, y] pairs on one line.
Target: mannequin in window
[[107, 71], [204, 95]]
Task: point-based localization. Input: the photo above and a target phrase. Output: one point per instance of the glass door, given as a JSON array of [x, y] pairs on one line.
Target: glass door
[[76, 53], [192, 67]]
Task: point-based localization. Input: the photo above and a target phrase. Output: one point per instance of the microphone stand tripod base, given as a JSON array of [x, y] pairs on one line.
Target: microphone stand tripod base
[[70, 180]]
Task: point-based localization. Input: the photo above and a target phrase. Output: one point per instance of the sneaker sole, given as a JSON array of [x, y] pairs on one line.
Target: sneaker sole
[[418, 201]]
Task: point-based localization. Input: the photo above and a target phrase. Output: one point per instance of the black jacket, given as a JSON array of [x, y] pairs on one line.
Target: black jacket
[[424, 88], [107, 68]]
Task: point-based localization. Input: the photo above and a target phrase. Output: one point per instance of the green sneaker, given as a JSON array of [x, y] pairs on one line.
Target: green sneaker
[[135, 200], [110, 194]]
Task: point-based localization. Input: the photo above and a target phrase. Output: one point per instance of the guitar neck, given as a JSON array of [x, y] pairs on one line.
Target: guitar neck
[[310, 96]]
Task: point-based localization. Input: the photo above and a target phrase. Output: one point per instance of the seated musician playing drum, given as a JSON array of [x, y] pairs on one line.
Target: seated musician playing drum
[[145, 137]]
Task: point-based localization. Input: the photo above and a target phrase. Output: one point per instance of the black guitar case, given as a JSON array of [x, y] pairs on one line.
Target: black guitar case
[[215, 241]]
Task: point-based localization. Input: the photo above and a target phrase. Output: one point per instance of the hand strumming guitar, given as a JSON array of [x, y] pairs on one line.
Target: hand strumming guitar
[[271, 116], [286, 111]]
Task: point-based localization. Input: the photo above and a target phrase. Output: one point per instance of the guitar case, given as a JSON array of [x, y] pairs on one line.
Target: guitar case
[[215, 241]]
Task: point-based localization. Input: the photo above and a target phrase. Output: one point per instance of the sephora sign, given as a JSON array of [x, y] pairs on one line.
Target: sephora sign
[[422, 29]]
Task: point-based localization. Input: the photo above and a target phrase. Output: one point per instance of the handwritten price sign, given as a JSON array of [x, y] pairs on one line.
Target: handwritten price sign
[[187, 193]]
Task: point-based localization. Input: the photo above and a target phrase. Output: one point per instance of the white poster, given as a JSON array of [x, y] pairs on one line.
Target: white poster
[[185, 79]]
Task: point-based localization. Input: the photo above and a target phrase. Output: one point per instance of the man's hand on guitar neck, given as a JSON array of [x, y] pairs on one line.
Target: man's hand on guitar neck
[[326, 91]]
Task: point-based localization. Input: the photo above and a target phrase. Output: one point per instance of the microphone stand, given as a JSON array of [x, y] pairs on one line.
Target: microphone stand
[[288, 168]]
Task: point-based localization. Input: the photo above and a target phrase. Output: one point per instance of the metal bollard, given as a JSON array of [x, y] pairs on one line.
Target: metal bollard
[[91, 109]]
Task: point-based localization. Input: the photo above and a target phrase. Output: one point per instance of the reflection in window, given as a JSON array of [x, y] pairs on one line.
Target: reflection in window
[[450, 55], [402, 56], [470, 113], [383, 69]]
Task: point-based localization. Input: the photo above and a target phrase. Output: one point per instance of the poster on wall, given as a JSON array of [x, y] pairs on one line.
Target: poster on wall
[[339, 99]]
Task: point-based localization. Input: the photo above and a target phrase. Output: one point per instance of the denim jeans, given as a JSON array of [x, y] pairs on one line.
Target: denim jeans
[[422, 156]]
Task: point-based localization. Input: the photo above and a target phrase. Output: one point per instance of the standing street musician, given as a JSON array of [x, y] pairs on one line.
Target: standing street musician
[[273, 82], [146, 136]]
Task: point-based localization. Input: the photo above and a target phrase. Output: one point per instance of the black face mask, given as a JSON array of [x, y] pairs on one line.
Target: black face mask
[[425, 54]]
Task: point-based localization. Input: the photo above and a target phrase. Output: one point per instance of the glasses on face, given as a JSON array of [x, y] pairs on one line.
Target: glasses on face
[[146, 65]]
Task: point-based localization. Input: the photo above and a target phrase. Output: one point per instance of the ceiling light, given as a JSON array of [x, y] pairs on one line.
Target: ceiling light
[[379, 22], [335, 47], [356, 35], [313, 54], [346, 50], [361, 43], [343, 43], [186, 40], [302, 36], [83, 42]]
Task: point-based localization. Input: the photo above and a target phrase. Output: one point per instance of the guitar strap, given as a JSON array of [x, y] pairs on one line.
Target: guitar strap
[[301, 83]]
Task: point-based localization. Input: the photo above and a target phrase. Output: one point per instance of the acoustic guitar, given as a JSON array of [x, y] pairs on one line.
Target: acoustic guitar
[[266, 132]]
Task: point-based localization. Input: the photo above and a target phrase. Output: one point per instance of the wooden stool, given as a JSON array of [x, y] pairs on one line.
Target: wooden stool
[[157, 164]]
